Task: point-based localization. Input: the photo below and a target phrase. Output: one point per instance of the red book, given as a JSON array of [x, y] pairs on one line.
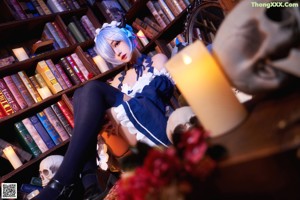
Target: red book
[[66, 111], [2, 113], [9, 97], [4, 105], [15, 92], [75, 68]]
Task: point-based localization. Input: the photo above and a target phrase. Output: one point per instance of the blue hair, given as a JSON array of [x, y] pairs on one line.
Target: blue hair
[[104, 48]]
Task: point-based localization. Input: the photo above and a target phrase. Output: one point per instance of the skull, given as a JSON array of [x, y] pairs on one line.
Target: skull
[[258, 47], [48, 168], [181, 116]]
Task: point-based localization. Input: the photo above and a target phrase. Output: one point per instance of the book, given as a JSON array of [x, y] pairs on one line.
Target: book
[[172, 7], [42, 132], [46, 35], [111, 10], [60, 33], [44, 92], [4, 105], [44, 7], [56, 123], [54, 6], [26, 139], [152, 23], [80, 27], [166, 10], [8, 95], [89, 27], [147, 30], [7, 61], [37, 7], [66, 111], [69, 102], [35, 135], [15, 5], [75, 68], [56, 74], [75, 32], [22, 89], [43, 69], [88, 62], [32, 9], [63, 75], [161, 12], [49, 26], [20, 53], [69, 71], [31, 89], [155, 14], [49, 128], [2, 113], [28, 188], [80, 65], [62, 118]]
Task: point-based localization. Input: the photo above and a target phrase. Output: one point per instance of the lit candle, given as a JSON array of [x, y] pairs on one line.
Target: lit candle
[[142, 37], [12, 157], [101, 64], [206, 89], [20, 53]]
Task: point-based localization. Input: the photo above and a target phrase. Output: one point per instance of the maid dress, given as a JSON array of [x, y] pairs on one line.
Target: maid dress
[[145, 115]]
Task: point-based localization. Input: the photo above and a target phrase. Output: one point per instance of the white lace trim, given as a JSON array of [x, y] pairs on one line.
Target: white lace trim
[[124, 121], [144, 80]]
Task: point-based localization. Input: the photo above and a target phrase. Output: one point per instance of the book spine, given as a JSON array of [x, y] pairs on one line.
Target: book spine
[[54, 33], [182, 4], [75, 32], [67, 113], [35, 135], [56, 123], [75, 68], [60, 34], [49, 128], [22, 89], [80, 28], [44, 7], [149, 31], [154, 12], [32, 90], [161, 12], [172, 7], [4, 105], [43, 69], [42, 132], [38, 7], [26, 139], [90, 28], [63, 75], [153, 24], [177, 6], [46, 35], [166, 9], [56, 74], [32, 9], [9, 97], [68, 102], [2, 113], [18, 9], [62, 118], [80, 65], [54, 6], [69, 71]]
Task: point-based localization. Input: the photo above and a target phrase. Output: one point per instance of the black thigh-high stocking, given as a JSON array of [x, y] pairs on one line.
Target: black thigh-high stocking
[[90, 103]]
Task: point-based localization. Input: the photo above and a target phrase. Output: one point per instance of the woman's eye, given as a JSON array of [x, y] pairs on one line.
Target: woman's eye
[[117, 43]]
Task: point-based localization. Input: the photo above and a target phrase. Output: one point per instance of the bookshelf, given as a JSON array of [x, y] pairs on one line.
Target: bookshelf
[[24, 33]]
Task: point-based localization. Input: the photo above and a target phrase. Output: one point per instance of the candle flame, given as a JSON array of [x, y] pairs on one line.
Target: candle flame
[[186, 59]]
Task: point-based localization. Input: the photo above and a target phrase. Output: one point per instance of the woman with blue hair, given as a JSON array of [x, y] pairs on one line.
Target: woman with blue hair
[[137, 97]]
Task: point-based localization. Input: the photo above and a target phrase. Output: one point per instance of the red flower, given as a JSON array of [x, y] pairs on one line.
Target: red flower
[[164, 165]]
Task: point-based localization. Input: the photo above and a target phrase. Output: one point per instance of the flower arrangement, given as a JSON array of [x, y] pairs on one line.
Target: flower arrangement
[[178, 172]]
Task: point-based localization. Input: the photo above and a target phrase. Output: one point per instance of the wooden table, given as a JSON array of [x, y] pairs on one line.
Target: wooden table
[[263, 160]]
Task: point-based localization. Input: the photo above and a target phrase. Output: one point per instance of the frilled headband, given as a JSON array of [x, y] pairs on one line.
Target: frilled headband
[[124, 27]]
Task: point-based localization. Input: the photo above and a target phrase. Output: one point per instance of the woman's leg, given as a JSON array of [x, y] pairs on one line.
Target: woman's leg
[[90, 103]]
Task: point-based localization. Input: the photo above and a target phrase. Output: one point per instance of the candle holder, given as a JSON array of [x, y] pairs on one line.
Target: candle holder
[[206, 89]]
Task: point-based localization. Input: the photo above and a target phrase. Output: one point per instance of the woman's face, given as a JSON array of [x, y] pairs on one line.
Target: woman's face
[[122, 51]]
